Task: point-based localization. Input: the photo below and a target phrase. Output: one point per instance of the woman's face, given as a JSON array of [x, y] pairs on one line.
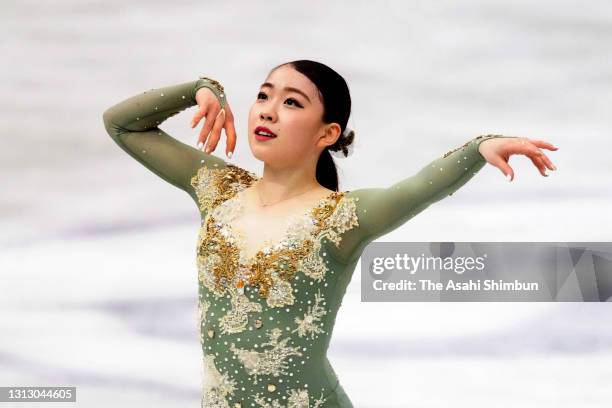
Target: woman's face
[[293, 115]]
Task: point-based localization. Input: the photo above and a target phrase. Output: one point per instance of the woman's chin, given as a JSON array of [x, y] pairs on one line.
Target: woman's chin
[[261, 150]]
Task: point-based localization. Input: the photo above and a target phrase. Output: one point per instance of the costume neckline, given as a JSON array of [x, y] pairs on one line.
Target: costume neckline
[[268, 246]]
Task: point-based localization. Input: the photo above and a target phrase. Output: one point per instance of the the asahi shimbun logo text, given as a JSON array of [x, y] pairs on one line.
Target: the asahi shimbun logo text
[[431, 263]]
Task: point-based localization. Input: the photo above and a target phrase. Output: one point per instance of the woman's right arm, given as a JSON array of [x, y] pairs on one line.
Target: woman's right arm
[[134, 125]]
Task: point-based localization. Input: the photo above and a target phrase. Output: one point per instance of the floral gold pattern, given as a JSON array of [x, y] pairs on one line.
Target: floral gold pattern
[[221, 249]]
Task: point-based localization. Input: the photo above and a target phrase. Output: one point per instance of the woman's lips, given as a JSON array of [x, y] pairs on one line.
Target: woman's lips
[[263, 138]]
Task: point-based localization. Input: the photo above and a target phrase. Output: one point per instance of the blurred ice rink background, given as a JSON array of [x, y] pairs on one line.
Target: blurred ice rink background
[[98, 281]]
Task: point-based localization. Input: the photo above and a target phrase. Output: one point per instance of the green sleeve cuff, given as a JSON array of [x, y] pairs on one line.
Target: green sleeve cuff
[[216, 87], [471, 147]]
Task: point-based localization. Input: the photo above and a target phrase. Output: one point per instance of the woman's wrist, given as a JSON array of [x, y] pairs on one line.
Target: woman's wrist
[[214, 86], [477, 140]]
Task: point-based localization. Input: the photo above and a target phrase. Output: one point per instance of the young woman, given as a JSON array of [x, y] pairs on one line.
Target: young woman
[[275, 253]]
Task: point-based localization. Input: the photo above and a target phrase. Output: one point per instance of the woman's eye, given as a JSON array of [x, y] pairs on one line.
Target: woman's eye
[[295, 102]]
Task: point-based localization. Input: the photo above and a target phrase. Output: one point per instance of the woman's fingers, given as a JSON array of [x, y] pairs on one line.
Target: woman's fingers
[[538, 162], [548, 163], [230, 131], [210, 121], [534, 152], [197, 117], [524, 146], [503, 165], [215, 134], [543, 144]]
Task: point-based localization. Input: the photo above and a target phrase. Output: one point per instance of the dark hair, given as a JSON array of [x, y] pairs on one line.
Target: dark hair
[[336, 98]]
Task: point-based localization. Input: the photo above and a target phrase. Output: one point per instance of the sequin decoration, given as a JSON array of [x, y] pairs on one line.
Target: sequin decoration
[[215, 386], [203, 307], [237, 318], [270, 361], [295, 399], [213, 185], [309, 324], [221, 249], [339, 219], [484, 137]]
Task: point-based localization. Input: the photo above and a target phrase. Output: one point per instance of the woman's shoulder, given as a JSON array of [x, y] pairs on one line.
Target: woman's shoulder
[[216, 183]]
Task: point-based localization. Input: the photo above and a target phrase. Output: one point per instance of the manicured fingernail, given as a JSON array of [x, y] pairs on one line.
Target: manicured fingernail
[[554, 167], [200, 144], [509, 178], [229, 154]]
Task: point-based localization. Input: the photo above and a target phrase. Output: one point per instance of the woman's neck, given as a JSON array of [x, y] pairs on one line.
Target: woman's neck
[[282, 184]]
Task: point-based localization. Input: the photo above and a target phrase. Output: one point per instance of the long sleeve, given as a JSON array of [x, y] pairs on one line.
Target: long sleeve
[[381, 210], [134, 125]]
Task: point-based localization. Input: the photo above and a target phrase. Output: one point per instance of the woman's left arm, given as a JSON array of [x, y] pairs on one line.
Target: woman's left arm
[[381, 210]]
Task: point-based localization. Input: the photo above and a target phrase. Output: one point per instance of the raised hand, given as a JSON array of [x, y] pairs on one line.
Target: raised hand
[[216, 119], [497, 151]]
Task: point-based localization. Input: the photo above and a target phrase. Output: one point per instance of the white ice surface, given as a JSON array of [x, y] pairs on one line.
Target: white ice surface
[[98, 281]]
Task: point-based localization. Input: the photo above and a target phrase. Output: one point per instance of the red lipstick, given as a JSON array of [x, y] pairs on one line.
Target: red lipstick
[[263, 133]]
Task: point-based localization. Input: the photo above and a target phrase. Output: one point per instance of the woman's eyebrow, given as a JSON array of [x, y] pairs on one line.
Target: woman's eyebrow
[[287, 88]]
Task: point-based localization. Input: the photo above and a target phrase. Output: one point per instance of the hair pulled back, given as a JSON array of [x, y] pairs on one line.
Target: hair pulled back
[[336, 98]]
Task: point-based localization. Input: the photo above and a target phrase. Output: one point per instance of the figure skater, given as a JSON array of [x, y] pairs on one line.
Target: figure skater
[[275, 253]]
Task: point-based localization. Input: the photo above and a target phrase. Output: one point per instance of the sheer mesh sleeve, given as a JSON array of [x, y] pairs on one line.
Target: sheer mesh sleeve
[[134, 125], [381, 210]]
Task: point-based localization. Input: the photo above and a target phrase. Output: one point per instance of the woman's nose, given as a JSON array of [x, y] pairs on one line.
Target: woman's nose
[[266, 116]]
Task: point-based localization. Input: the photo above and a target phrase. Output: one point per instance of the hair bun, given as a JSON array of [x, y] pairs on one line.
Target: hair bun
[[344, 145]]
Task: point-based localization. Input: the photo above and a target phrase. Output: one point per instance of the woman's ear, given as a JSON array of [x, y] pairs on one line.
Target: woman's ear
[[331, 134]]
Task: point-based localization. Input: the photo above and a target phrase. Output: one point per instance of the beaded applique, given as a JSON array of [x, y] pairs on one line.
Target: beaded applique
[[295, 399], [214, 185], [215, 386], [273, 266], [270, 361], [309, 324], [203, 307], [237, 319], [221, 251]]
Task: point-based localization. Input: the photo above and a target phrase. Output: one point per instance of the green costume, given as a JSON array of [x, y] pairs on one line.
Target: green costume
[[266, 322]]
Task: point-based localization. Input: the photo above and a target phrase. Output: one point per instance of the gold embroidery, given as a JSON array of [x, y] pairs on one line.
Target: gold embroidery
[[270, 361], [217, 258], [237, 318], [221, 251], [212, 187], [341, 220], [215, 386], [309, 324], [272, 268]]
